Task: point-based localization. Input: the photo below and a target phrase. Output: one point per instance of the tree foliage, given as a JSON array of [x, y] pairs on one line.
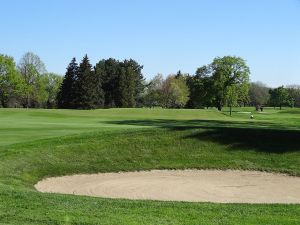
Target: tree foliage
[[279, 97], [86, 96], [52, 87], [122, 82], [66, 94], [171, 92], [32, 68], [259, 94], [11, 83], [114, 83], [230, 77], [294, 93], [201, 88], [223, 82]]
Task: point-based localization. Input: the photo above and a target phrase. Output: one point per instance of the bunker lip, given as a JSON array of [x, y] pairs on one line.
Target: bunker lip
[[219, 186]]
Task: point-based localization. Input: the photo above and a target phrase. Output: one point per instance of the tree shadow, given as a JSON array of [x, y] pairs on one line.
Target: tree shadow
[[262, 140], [238, 135], [192, 124], [296, 112]]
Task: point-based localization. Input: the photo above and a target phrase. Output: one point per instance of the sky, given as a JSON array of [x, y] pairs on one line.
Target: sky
[[163, 35]]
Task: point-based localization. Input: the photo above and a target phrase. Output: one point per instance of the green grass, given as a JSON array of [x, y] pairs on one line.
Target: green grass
[[35, 144]]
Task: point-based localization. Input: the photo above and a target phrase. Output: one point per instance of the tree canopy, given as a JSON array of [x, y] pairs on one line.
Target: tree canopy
[[11, 83], [280, 97], [259, 94], [223, 82]]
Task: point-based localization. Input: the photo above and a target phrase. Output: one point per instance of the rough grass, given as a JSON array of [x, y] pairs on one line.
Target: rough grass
[[35, 144]]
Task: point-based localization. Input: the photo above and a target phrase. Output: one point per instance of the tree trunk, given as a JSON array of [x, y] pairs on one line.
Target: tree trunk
[[230, 110], [28, 100], [257, 107]]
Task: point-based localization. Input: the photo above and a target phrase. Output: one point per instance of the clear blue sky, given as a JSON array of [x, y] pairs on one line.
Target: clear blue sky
[[162, 35]]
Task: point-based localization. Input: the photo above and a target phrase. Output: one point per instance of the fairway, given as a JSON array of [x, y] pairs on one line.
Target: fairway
[[39, 144]]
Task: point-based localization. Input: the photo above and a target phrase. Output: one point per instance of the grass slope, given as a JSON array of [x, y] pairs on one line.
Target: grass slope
[[35, 144]]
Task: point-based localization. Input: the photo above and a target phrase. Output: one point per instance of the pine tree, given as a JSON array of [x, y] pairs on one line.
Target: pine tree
[[99, 93], [122, 82], [87, 88], [66, 94], [108, 71], [127, 85], [121, 87], [134, 82]]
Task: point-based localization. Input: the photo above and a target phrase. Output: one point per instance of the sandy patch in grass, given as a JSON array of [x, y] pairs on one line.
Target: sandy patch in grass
[[181, 185]]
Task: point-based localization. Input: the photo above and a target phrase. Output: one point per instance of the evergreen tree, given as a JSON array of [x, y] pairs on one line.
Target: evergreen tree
[[108, 71], [99, 94], [139, 80], [66, 94], [126, 85], [122, 82], [86, 86]]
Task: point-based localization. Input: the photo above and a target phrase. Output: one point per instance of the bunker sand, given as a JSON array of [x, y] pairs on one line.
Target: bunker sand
[[228, 186]]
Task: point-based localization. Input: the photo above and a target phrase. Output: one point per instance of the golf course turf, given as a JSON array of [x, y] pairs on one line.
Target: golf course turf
[[36, 144]]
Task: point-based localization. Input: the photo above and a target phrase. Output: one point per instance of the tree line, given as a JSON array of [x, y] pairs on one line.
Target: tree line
[[261, 95], [27, 84], [113, 83]]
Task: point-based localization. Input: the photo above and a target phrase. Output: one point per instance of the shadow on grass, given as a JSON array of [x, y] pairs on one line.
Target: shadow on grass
[[262, 140], [238, 135], [297, 112], [189, 124]]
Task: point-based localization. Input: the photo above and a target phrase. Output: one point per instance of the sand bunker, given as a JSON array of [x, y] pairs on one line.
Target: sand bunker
[[185, 185]]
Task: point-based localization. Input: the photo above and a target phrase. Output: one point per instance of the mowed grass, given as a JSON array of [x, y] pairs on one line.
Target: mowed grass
[[35, 144]]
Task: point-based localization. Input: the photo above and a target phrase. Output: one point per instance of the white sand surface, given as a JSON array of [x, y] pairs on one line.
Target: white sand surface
[[228, 186]]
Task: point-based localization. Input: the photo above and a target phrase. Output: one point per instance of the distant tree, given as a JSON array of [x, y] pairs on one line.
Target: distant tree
[[31, 67], [53, 85], [229, 73], [66, 95], [236, 95], [152, 96], [122, 82], [200, 86], [179, 75], [11, 83], [223, 82], [108, 71], [180, 92], [139, 80], [40, 93], [169, 93], [259, 94], [129, 83], [86, 96], [280, 97], [294, 93], [175, 92]]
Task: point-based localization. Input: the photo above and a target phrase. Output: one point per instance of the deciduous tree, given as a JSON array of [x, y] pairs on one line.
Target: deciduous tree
[[31, 67], [280, 97], [228, 74], [11, 83], [259, 94]]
